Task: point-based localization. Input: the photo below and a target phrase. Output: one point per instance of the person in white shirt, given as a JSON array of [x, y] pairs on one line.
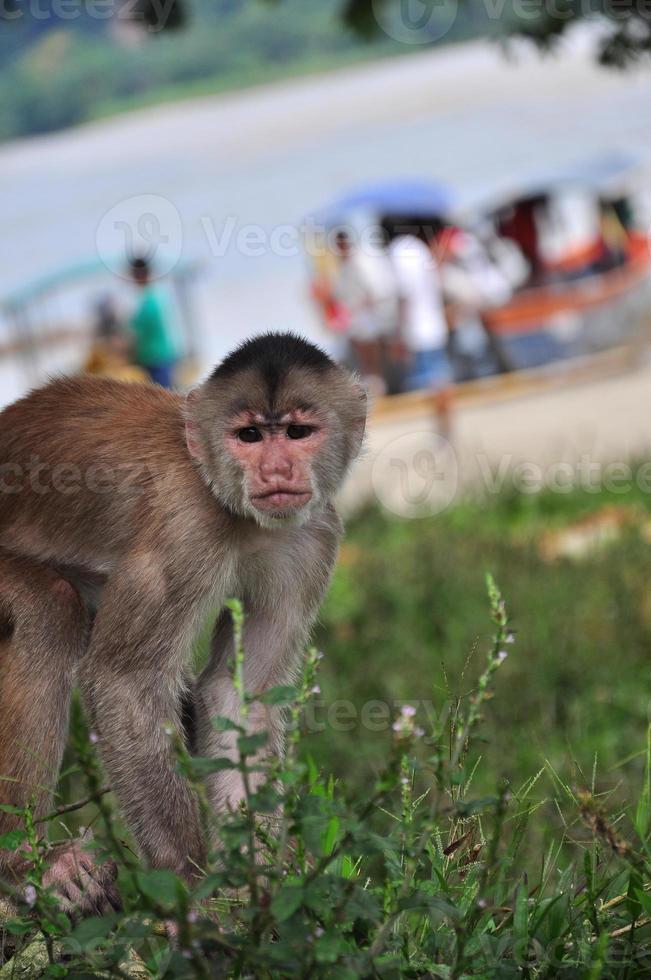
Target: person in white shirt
[[423, 325], [472, 282], [365, 285]]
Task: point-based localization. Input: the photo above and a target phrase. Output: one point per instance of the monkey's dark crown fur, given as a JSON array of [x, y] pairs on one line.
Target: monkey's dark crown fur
[[272, 354]]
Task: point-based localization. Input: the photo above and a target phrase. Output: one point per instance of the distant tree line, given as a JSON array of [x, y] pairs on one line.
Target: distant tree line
[[66, 61], [626, 36]]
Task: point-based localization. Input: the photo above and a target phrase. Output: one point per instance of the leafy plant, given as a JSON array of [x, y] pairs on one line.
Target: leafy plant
[[419, 877]]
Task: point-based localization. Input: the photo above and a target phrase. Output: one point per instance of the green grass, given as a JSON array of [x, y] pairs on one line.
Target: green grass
[[405, 619], [503, 830]]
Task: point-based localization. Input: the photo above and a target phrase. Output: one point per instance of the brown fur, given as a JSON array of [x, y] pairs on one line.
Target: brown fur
[[98, 493]]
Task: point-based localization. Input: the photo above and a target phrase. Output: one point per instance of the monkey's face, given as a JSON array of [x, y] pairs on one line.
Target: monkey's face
[[275, 440], [276, 455]]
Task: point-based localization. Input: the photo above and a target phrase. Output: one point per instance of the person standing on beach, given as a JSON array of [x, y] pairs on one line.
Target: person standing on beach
[[366, 291], [423, 329], [155, 343]]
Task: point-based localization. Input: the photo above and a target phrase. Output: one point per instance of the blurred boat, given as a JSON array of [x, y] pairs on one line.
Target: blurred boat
[[587, 290], [48, 324], [591, 290]]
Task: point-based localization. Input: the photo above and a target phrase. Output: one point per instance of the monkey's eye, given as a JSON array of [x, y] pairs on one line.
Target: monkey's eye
[[298, 431], [250, 434]]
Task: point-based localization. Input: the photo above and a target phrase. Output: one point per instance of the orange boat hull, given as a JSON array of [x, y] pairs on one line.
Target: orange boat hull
[[529, 309]]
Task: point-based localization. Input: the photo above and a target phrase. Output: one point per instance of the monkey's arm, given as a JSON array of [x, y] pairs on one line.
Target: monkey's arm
[[131, 681], [271, 655], [280, 607]]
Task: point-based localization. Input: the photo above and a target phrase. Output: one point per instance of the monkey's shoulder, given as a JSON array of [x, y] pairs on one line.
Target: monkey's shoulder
[[89, 392], [81, 413]]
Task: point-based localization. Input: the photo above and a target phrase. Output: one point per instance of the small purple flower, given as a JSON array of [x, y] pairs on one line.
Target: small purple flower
[[407, 711], [192, 918], [93, 738], [316, 689], [501, 657], [30, 895]]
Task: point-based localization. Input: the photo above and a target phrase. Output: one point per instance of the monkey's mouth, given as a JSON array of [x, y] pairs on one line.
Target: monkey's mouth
[[281, 500]]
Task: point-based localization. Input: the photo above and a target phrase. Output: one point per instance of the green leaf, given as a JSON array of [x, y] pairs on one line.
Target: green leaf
[[329, 948], [266, 799], [15, 810], [209, 885], [279, 695], [521, 925], [633, 906], [320, 895], [12, 840], [249, 744], [286, 902], [363, 905], [643, 811], [89, 933], [645, 901], [56, 970], [161, 887], [18, 927], [343, 973], [419, 899], [330, 836], [221, 724], [203, 766]]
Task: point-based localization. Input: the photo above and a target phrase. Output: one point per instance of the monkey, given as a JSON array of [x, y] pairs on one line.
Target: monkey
[[39, 611], [127, 514]]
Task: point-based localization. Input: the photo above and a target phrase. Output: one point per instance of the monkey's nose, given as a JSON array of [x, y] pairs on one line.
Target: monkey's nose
[[274, 467]]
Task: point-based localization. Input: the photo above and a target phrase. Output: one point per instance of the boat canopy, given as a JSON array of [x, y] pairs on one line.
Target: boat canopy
[[610, 175], [390, 197]]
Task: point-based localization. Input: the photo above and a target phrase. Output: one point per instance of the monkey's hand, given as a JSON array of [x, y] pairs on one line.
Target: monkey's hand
[[81, 886]]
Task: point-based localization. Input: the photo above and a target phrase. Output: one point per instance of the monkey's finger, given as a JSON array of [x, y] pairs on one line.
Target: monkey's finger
[[99, 892], [113, 898], [70, 895]]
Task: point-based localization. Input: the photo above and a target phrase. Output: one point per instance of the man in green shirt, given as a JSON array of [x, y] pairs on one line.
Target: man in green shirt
[[155, 346]]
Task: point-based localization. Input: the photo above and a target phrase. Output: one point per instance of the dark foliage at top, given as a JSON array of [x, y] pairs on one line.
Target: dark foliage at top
[[627, 39]]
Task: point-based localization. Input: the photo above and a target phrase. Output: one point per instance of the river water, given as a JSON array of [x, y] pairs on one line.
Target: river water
[[235, 174]]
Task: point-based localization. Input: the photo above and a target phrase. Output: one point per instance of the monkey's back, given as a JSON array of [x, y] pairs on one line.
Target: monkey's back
[[79, 459]]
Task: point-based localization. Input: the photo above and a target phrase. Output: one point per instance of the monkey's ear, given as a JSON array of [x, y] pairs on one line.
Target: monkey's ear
[[192, 439]]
